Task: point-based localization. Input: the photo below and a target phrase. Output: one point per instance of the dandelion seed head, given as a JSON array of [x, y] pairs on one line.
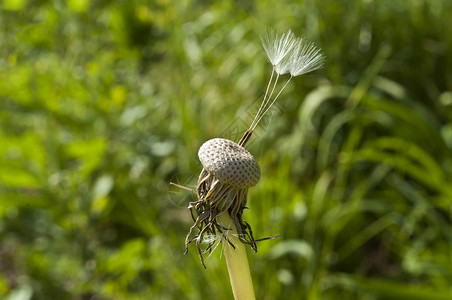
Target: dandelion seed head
[[228, 171], [229, 162]]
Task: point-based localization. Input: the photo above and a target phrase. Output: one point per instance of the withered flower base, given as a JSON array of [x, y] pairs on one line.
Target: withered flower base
[[229, 170]]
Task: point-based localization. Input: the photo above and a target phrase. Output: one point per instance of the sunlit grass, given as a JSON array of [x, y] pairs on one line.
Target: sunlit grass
[[102, 106]]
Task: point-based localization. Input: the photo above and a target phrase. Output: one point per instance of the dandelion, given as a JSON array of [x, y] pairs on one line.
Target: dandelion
[[229, 170]]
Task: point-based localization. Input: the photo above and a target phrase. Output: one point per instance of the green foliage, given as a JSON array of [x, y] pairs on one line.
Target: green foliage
[[103, 103]]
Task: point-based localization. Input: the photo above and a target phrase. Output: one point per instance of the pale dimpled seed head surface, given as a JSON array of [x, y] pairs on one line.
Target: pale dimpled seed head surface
[[229, 162]]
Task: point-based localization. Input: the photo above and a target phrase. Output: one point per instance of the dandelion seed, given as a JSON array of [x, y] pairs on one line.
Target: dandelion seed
[[304, 58], [213, 240], [300, 57], [277, 46], [283, 67]]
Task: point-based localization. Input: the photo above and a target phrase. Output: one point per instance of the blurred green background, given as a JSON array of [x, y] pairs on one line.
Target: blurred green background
[[103, 103]]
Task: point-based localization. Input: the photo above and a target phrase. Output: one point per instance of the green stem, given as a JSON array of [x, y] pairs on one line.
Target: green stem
[[237, 261]]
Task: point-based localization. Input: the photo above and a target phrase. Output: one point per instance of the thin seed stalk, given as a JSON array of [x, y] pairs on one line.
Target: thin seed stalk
[[236, 260]]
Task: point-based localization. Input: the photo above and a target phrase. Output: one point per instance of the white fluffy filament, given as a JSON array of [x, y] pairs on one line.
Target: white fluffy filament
[[287, 55]]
